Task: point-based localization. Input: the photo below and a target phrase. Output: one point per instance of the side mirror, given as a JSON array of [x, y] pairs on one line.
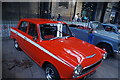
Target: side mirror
[[35, 38], [73, 34]]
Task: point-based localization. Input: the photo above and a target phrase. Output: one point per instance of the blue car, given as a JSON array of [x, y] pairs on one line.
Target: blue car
[[106, 38]]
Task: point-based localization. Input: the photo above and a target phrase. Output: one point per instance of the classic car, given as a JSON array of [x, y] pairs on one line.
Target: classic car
[[108, 41], [112, 28], [53, 47]]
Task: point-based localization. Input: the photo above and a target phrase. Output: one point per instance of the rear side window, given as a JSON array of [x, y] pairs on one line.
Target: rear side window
[[33, 30], [108, 28], [23, 26]]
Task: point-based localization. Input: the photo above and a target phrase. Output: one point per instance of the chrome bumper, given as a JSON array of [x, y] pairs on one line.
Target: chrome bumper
[[116, 51]]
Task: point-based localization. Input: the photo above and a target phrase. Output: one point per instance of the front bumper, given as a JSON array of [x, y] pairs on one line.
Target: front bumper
[[89, 69], [116, 51], [82, 76]]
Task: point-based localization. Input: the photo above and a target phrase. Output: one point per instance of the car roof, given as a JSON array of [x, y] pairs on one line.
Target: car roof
[[41, 21], [112, 25]]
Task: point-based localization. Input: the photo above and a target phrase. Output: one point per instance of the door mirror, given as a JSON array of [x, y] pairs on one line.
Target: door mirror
[[73, 34], [35, 38]]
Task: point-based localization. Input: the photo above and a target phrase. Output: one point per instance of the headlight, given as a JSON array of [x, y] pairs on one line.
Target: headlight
[[105, 55], [77, 71]]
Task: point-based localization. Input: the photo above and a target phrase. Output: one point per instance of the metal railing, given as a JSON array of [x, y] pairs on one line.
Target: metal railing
[[6, 27]]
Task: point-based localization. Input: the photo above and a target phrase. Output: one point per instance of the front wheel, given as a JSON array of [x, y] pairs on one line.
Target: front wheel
[[16, 45], [51, 72], [106, 48]]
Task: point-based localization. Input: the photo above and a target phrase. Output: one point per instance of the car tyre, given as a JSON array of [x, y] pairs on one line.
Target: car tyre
[[16, 45], [107, 48], [51, 72]]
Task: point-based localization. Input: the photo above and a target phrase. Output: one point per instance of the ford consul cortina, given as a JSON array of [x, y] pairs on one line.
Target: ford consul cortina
[[107, 36], [53, 47]]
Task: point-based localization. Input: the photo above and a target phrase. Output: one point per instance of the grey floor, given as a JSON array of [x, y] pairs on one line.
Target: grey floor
[[29, 69]]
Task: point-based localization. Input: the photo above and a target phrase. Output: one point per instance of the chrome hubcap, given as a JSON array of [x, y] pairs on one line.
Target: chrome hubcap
[[49, 74]]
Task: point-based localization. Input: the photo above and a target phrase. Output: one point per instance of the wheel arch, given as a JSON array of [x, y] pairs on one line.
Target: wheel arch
[[48, 62], [109, 44], [56, 66], [45, 63]]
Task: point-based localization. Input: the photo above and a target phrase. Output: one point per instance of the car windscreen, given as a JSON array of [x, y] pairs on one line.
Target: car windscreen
[[96, 25], [52, 31]]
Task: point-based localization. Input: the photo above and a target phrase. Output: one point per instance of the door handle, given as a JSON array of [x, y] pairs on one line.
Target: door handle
[[16, 32]]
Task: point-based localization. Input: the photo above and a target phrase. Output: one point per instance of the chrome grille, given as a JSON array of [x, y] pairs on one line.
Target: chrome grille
[[91, 67]]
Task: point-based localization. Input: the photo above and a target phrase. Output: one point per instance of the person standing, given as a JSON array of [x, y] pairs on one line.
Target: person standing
[[79, 19], [59, 17], [45, 14], [91, 36], [76, 17]]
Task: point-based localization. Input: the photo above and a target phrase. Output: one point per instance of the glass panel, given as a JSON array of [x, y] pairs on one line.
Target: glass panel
[[32, 30], [54, 31], [23, 26]]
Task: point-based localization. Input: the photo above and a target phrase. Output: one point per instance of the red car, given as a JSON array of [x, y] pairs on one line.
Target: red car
[[52, 46]]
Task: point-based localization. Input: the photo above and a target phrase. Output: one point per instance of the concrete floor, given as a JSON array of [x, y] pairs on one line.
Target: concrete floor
[[10, 56]]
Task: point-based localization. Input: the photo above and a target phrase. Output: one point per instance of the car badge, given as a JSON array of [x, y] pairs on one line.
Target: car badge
[[91, 56]]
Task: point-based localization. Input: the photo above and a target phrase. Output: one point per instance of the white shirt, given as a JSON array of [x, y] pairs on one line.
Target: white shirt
[[76, 17]]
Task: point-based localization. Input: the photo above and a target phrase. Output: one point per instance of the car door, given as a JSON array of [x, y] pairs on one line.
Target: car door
[[32, 42], [80, 33], [21, 32]]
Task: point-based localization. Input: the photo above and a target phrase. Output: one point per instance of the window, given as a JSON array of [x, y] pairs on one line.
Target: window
[[63, 4], [48, 31], [32, 30], [52, 31], [112, 29], [65, 31], [108, 28], [23, 26]]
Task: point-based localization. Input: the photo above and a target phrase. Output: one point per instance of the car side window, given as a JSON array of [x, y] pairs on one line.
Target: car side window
[[113, 29], [33, 30], [23, 26], [66, 31], [48, 31], [108, 28]]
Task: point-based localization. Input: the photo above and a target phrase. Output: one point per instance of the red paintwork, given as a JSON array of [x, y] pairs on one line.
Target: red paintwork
[[86, 28], [48, 36], [71, 50], [79, 27]]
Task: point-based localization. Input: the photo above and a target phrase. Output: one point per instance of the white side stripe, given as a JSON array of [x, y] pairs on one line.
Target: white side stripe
[[37, 45]]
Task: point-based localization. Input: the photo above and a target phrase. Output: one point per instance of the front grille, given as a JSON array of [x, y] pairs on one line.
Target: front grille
[[91, 67]]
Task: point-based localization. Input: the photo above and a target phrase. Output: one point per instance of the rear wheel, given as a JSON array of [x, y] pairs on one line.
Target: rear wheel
[[106, 48], [16, 45], [51, 72]]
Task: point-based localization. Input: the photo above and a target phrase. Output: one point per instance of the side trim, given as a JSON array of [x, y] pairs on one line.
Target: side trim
[[37, 45]]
